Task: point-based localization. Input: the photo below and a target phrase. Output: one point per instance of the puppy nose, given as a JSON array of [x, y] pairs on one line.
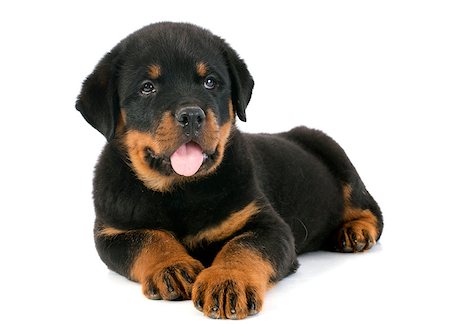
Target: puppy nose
[[191, 119]]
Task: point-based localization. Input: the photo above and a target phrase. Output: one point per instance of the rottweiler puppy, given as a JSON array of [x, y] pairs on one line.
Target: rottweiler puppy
[[189, 206]]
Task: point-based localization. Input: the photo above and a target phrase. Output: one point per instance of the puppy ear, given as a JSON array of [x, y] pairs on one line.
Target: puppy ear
[[98, 100], [241, 81]]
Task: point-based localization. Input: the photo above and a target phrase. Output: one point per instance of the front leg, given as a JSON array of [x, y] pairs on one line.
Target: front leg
[[235, 284], [153, 258]]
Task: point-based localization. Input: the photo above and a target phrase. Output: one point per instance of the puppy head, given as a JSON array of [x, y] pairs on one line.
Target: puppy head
[[168, 95]]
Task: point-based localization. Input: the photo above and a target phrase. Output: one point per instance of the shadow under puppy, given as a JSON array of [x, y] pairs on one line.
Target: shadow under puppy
[[189, 206]]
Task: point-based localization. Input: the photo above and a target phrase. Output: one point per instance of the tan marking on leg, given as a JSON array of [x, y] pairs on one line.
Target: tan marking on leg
[[164, 268], [232, 224], [235, 284], [360, 226]]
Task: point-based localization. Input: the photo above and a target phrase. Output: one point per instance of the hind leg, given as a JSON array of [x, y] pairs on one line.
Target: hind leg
[[362, 221], [360, 228]]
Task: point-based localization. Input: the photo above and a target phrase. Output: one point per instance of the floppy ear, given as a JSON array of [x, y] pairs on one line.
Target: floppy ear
[[241, 81], [98, 101]]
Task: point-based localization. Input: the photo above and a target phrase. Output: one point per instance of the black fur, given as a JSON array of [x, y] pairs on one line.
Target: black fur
[[296, 177]]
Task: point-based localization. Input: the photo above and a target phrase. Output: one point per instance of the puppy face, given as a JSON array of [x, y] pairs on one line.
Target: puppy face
[[175, 106], [167, 95]]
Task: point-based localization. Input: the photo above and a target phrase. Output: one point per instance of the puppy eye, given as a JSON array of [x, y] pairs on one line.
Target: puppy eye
[[210, 83], [147, 88]]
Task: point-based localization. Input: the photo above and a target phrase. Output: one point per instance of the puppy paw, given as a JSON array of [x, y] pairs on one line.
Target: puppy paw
[[356, 236], [228, 293], [172, 281]]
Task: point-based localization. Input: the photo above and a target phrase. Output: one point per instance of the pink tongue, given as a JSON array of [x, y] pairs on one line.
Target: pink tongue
[[187, 159]]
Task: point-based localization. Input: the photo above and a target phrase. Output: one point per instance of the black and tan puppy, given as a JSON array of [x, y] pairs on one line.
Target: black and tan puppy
[[186, 204]]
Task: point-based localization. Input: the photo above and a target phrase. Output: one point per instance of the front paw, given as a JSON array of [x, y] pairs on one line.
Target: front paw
[[228, 293], [172, 280]]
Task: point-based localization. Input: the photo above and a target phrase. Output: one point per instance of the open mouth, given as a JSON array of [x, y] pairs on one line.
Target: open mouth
[[186, 161]]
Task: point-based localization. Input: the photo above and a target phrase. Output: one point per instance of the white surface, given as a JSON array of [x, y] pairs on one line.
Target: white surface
[[374, 75]]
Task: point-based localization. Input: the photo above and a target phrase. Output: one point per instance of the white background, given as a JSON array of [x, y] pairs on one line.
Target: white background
[[375, 75]]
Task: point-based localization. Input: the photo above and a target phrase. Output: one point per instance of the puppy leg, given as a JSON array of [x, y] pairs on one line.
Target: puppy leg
[[235, 284], [360, 229], [362, 220], [153, 258]]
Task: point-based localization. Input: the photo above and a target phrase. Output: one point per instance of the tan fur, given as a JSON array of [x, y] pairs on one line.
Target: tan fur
[[121, 123], [165, 139], [217, 137], [245, 268], [163, 258], [109, 231], [137, 143], [358, 220], [231, 109], [154, 71], [202, 69], [232, 224]]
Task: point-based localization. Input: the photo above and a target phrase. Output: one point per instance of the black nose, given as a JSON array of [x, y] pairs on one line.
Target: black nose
[[191, 119]]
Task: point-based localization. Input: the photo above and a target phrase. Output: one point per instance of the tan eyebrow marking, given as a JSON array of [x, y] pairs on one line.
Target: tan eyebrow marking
[[154, 71]]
